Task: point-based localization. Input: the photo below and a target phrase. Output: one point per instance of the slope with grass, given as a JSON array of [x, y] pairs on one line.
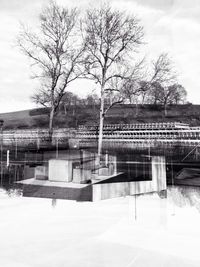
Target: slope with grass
[[80, 115]]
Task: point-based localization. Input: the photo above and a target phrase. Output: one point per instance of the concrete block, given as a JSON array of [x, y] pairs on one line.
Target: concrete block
[[60, 170], [104, 171], [81, 175], [29, 172], [41, 173]]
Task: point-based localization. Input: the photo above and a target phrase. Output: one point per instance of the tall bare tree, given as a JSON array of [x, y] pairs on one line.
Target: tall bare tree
[[109, 36], [55, 53]]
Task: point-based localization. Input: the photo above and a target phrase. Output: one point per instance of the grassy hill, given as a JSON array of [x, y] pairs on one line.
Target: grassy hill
[[80, 115]]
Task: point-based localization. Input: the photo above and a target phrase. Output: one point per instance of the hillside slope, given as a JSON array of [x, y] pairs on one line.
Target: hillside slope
[[79, 115]]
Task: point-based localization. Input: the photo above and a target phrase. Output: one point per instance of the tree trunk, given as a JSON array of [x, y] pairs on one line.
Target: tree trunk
[[165, 109], [74, 109], [65, 108], [100, 140], [143, 98], [136, 112], [51, 117]]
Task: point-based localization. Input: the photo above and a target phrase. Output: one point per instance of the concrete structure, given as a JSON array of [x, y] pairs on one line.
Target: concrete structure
[[56, 190], [75, 169], [158, 183], [60, 170], [145, 133], [81, 175], [60, 183], [138, 126], [29, 172], [41, 172]]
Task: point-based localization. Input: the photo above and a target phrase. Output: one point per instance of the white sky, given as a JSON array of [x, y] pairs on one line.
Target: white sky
[[171, 26]]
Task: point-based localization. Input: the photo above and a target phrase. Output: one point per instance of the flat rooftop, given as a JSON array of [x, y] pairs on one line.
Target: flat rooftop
[[96, 179]]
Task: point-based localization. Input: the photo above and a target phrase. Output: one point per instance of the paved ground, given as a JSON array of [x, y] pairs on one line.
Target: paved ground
[[125, 232]]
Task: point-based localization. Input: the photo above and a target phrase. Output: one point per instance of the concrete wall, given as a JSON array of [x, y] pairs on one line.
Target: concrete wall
[[157, 184], [53, 192]]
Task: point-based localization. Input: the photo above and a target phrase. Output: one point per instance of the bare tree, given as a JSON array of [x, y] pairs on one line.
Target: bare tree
[[132, 87], [69, 101], [168, 95], [164, 88], [144, 87], [92, 100], [173, 94], [55, 52], [180, 94], [109, 36], [161, 74], [155, 93], [163, 70]]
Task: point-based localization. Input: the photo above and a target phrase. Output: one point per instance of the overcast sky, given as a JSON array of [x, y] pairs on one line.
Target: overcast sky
[[171, 26]]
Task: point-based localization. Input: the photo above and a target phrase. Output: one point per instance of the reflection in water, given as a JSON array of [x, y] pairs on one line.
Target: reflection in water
[[73, 226], [119, 222], [53, 202], [185, 196]]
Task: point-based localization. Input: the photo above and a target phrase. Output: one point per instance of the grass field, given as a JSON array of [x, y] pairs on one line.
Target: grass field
[[79, 115]]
